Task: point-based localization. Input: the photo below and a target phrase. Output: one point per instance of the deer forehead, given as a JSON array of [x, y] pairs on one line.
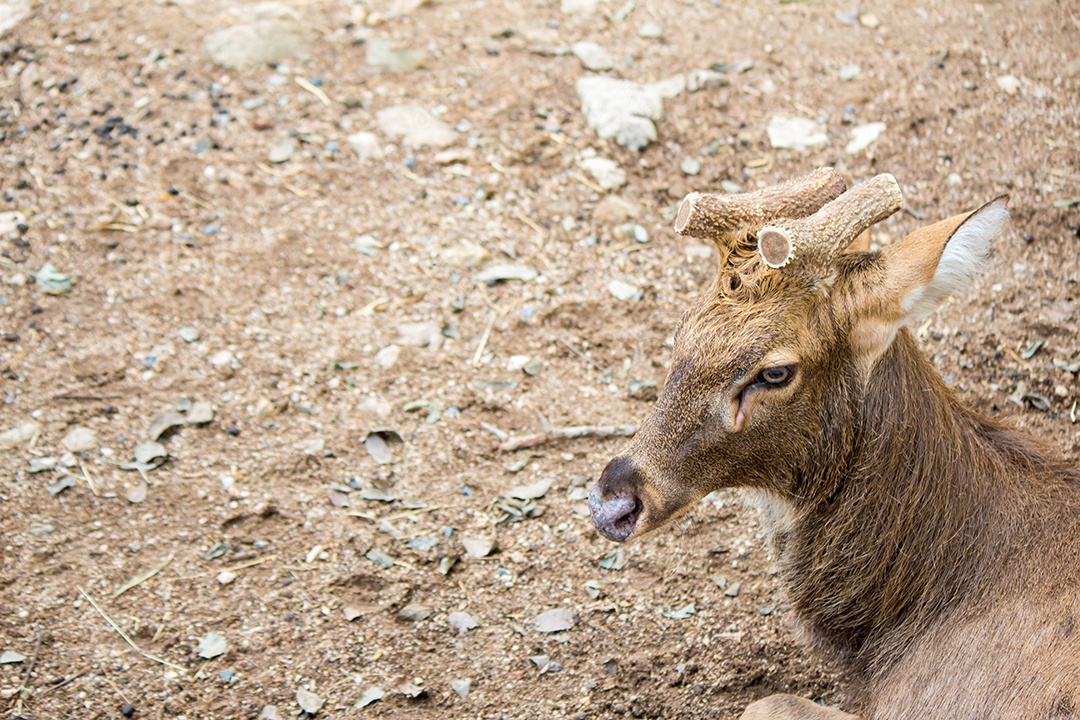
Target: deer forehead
[[732, 339]]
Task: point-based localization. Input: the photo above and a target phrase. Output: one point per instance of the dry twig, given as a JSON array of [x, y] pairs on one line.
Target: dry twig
[[579, 431], [142, 577], [501, 435], [124, 635]]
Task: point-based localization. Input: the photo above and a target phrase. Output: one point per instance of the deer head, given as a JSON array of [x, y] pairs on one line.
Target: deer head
[[789, 318]]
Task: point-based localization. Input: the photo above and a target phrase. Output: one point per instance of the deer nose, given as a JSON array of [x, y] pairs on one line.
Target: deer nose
[[613, 502]]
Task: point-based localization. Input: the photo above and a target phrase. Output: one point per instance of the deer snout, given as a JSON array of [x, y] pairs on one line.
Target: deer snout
[[614, 502]]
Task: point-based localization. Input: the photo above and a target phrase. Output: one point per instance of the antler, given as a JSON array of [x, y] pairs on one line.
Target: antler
[[716, 217], [821, 237]]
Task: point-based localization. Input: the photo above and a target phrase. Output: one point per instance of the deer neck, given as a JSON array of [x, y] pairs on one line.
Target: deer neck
[[879, 536]]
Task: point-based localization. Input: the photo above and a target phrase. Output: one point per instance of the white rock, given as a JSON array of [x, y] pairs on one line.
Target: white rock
[[418, 334], [9, 657], [273, 34], [212, 645], [499, 273], [606, 173], [11, 14], [386, 357], [578, 7], [706, 79], [467, 254], [80, 440], [516, 362], [796, 133], [19, 435], [1009, 84], [668, 87], [849, 71], [308, 701], [650, 30], [393, 56], [690, 166], [365, 145], [554, 620], [225, 577], [592, 56], [621, 109], [415, 126], [623, 291], [222, 358], [282, 150], [10, 222], [862, 136]]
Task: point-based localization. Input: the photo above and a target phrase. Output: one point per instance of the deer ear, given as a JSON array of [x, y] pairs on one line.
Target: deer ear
[[941, 260], [920, 271]]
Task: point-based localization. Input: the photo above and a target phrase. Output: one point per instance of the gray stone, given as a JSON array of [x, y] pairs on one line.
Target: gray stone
[[415, 126], [272, 35], [392, 55], [79, 440], [620, 109], [592, 56], [554, 620]]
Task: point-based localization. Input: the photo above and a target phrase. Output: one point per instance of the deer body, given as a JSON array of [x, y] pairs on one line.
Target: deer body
[[932, 553], [939, 563]]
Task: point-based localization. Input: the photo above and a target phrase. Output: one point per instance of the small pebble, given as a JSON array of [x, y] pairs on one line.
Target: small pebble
[[282, 151], [690, 166], [650, 30], [849, 71]]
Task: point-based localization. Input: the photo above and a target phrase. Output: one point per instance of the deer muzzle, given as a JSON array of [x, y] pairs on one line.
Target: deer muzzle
[[614, 502]]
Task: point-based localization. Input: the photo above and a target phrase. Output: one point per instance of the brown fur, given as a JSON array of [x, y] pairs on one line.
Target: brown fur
[[931, 552]]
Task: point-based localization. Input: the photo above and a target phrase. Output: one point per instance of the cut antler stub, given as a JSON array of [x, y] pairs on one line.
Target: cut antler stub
[[822, 236], [775, 246], [718, 217]]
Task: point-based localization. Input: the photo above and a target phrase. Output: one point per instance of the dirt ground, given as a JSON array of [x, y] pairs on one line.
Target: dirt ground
[[202, 272]]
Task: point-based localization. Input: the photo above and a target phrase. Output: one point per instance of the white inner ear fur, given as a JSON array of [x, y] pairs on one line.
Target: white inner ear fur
[[965, 254]]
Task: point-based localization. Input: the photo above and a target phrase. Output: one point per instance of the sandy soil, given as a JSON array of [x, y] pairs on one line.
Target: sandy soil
[[289, 278]]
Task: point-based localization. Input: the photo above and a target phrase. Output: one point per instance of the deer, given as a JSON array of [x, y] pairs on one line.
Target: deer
[[928, 552]]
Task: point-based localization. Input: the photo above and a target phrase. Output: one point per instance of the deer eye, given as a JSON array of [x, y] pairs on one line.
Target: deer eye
[[776, 376]]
